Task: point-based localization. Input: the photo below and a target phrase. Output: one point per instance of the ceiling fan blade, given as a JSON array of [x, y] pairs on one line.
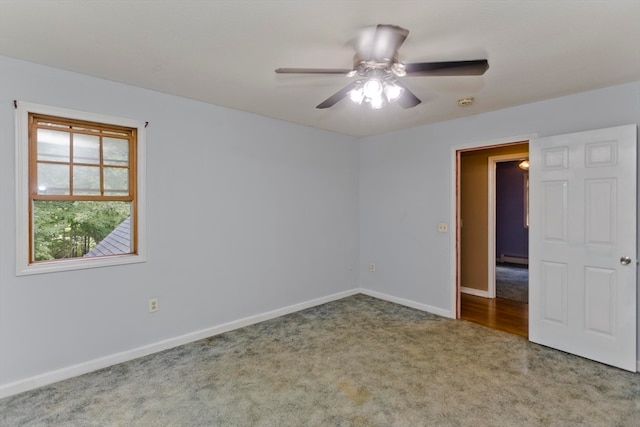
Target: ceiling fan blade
[[386, 42], [313, 70], [333, 99], [450, 68], [407, 99]]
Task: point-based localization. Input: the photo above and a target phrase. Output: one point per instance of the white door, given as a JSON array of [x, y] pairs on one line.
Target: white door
[[582, 247]]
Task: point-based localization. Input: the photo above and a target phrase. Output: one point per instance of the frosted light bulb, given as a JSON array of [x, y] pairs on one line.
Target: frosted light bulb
[[372, 88], [356, 95], [377, 102], [392, 91]]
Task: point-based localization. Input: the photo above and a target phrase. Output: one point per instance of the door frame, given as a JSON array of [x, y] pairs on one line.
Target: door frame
[[454, 237], [492, 226]]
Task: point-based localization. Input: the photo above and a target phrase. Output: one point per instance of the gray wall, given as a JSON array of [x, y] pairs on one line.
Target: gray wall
[[246, 215], [406, 186]]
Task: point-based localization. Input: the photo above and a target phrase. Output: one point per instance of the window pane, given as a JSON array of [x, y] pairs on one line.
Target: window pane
[[86, 148], [115, 151], [74, 229], [116, 181], [53, 145], [86, 180], [53, 179]]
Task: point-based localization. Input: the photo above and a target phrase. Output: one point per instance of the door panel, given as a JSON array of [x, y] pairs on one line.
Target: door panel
[[554, 292], [600, 211], [582, 299], [555, 210], [600, 290]]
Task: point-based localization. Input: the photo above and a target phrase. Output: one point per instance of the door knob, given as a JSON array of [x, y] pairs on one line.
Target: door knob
[[625, 260]]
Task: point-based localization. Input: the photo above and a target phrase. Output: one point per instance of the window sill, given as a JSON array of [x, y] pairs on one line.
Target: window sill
[[78, 264]]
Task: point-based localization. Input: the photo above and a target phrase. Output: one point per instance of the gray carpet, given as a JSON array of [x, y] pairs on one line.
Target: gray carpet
[[354, 362], [512, 282]]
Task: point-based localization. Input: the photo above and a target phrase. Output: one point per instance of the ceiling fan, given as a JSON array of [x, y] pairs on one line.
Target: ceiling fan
[[377, 67]]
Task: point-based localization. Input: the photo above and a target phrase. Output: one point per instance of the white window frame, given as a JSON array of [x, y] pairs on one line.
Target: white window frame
[[23, 266]]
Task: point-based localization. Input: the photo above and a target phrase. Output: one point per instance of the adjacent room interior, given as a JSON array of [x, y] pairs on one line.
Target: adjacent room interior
[[493, 219]]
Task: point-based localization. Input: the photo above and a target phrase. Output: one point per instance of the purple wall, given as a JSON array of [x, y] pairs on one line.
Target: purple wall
[[512, 236]]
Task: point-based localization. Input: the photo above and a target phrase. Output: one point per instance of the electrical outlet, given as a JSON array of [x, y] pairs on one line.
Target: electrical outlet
[[372, 267], [443, 227], [153, 305]]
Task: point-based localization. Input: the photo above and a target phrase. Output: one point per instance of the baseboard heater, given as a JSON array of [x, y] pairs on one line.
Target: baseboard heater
[[513, 259]]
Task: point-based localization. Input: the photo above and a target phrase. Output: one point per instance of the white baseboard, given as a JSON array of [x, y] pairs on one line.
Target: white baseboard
[[125, 356], [408, 303], [473, 291], [638, 366], [513, 259]]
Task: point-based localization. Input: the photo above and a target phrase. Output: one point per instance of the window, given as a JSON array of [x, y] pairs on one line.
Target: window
[[80, 193]]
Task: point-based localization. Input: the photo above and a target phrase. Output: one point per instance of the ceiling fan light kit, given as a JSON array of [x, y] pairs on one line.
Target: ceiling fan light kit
[[376, 92], [378, 70]]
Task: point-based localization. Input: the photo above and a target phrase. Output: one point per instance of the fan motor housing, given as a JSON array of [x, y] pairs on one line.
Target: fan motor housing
[[364, 67]]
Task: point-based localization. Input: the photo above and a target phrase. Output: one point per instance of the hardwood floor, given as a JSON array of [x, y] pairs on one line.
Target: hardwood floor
[[498, 313]]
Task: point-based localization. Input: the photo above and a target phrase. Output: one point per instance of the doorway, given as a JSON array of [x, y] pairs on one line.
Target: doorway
[[480, 250], [509, 213]]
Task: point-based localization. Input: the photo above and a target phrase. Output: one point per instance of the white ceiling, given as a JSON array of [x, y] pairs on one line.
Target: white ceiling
[[224, 52]]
